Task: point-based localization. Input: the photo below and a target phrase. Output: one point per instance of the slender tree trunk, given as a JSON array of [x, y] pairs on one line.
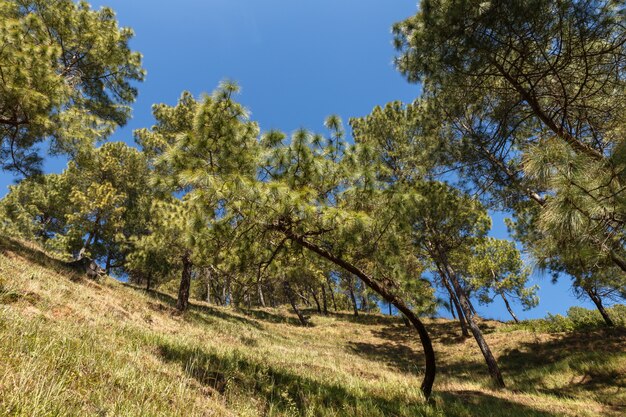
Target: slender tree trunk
[[294, 305], [324, 301], [316, 299], [185, 285], [429, 353], [355, 307], [208, 285], [224, 291], [390, 312], [107, 265], [455, 305], [149, 281], [492, 365], [508, 307], [598, 302], [259, 289], [332, 292], [272, 298], [90, 238], [364, 304], [452, 308]]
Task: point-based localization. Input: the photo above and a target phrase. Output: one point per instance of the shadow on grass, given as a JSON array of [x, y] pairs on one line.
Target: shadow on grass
[[280, 390], [401, 350], [478, 403], [369, 319], [36, 256], [195, 312], [270, 317], [590, 356]]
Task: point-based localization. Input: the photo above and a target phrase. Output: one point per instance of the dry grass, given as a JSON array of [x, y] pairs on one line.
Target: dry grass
[[70, 346]]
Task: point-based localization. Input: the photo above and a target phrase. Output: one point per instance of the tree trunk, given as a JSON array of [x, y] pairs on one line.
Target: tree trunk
[[259, 289], [494, 370], [455, 305], [364, 305], [332, 292], [107, 265], [355, 307], [316, 299], [185, 285], [598, 302], [294, 305], [508, 307], [208, 285], [429, 353], [324, 301], [149, 281], [452, 307], [86, 245]]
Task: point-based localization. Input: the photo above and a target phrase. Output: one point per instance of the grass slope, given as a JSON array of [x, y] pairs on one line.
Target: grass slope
[[70, 346]]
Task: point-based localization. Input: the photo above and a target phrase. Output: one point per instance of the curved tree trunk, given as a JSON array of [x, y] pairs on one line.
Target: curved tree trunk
[[598, 302], [185, 284], [429, 353], [508, 307]]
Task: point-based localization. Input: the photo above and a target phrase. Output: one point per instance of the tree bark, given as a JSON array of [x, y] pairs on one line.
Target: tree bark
[[598, 302], [332, 292], [259, 289], [316, 299], [508, 307], [148, 281], [208, 285], [294, 305], [492, 364], [364, 304], [455, 305], [429, 353], [452, 307], [185, 284], [324, 301], [355, 307]]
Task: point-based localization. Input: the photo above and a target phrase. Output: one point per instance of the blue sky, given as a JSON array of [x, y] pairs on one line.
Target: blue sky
[[297, 61]]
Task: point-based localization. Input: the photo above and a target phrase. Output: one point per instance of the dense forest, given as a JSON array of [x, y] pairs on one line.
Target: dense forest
[[522, 110]]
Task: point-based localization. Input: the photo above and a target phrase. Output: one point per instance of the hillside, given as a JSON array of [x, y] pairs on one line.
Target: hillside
[[70, 346]]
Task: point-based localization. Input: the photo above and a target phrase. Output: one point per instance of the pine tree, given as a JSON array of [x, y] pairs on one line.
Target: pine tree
[[67, 74]]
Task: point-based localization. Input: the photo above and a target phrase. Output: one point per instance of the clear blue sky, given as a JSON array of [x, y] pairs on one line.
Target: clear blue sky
[[297, 61]]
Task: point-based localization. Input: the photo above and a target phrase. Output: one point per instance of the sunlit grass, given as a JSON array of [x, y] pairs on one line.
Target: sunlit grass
[[72, 347]]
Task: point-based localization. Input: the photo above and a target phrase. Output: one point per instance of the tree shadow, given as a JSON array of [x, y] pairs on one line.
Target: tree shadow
[[268, 316], [368, 319], [586, 354], [37, 256], [281, 390], [401, 350], [195, 312], [458, 403], [394, 355]]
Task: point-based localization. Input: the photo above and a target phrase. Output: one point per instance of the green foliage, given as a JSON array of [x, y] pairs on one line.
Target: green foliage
[[496, 269], [576, 319], [67, 74]]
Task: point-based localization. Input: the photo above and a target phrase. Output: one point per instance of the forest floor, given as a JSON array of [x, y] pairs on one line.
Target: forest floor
[[70, 346]]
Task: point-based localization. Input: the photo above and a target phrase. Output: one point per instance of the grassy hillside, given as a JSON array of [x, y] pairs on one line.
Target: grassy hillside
[[70, 346]]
